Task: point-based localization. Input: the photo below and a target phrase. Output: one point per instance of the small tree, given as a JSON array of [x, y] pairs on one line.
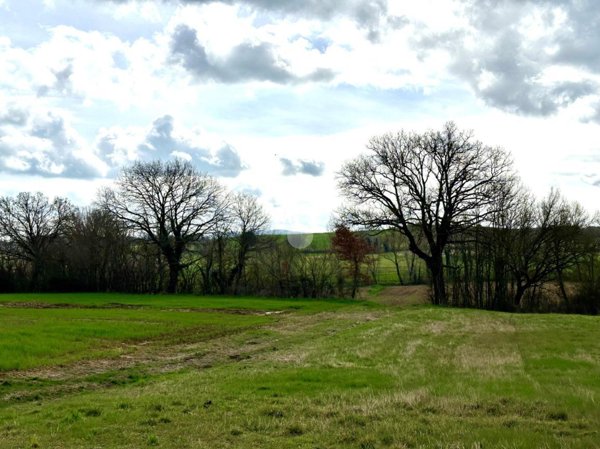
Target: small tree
[[170, 203], [353, 249], [248, 220]]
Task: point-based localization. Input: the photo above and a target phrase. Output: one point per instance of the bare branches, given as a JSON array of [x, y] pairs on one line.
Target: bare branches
[[546, 238], [168, 202], [441, 183], [29, 224]]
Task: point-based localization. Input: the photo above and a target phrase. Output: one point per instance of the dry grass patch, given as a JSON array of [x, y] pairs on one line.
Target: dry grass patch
[[487, 361]]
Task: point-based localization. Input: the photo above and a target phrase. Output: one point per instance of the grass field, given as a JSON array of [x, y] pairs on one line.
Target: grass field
[[101, 371]]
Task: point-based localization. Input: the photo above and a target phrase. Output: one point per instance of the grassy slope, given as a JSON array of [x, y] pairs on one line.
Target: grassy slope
[[352, 376], [39, 337], [39, 330]]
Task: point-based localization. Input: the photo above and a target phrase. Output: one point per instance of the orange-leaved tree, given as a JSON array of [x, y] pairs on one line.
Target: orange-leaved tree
[[352, 248]]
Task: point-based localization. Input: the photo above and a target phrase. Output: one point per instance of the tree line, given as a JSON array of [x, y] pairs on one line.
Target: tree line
[[485, 240], [439, 199], [163, 227]]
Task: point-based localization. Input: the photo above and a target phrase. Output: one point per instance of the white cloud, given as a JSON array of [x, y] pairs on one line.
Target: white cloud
[[42, 142], [524, 75], [164, 139], [535, 58], [147, 11]]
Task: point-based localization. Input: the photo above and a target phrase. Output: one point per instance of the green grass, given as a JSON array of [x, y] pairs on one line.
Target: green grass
[[108, 300], [42, 329], [386, 270], [321, 241], [329, 375], [39, 337]]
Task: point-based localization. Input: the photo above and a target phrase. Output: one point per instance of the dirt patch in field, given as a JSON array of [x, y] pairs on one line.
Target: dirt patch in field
[[148, 357], [115, 305], [47, 305], [164, 355], [34, 305], [228, 311], [402, 295]]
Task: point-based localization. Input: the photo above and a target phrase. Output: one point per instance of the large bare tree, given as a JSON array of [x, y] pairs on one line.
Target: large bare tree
[[437, 184], [170, 203], [29, 225]]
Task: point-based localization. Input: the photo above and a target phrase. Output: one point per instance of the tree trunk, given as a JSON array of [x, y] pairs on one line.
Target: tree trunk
[[397, 265], [236, 276], [519, 294], [36, 274], [173, 277], [563, 290], [355, 276], [437, 280]]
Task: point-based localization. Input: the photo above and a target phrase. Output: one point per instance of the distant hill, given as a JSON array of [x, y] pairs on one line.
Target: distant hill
[[321, 240]]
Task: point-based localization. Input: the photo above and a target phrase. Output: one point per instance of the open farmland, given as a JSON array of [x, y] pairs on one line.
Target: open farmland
[[176, 371]]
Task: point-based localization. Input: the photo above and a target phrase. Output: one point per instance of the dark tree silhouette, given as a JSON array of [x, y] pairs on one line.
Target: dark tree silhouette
[[546, 238], [99, 248], [353, 249], [30, 224], [438, 184], [168, 202]]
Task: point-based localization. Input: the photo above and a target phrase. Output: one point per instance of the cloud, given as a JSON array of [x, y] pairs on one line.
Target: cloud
[[578, 38], [291, 168], [594, 117], [44, 144], [164, 140], [253, 191], [226, 162], [531, 58], [62, 82], [367, 14], [13, 115], [87, 66], [245, 62]]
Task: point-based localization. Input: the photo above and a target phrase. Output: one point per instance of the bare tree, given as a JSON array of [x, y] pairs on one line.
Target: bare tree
[[99, 246], [29, 225], [237, 237], [546, 238], [170, 203], [438, 184], [248, 220]]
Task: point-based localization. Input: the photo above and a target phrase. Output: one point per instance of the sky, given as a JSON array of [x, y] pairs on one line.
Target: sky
[[273, 96]]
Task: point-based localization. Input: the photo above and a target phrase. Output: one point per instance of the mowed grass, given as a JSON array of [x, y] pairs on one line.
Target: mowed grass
[[160, 301], [45, 329], [338, 376], [40, 337]]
